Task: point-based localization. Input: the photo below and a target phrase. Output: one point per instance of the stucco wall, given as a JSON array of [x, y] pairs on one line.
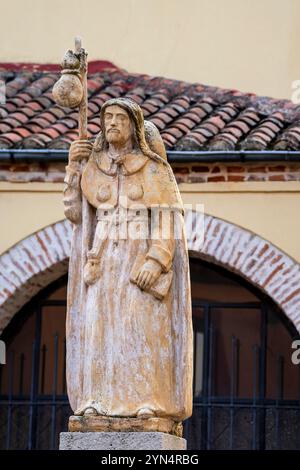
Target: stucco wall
[[251, 46], [267, 209]]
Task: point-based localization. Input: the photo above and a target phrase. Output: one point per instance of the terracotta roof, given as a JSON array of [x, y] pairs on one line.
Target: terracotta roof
[[189, 116]]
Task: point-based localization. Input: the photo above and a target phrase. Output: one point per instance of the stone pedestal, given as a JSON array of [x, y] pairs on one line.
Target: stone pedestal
[[117, 424], [120, 441]]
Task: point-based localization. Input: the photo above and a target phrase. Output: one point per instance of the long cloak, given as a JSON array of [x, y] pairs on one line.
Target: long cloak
[[127, 350]]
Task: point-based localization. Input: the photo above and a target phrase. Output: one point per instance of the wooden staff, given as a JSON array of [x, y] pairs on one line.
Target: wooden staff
[[82, 117]]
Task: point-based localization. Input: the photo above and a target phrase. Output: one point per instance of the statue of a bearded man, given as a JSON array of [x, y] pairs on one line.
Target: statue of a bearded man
[[129, 327]]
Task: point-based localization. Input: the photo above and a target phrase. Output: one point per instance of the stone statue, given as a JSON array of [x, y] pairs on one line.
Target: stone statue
[[129, 327]]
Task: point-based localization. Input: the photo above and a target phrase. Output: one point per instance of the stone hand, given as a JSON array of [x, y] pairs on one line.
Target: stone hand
[[80, 150], [149, 273], [91, 272]]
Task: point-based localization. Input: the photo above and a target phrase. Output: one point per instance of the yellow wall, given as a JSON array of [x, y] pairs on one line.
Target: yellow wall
[[248, 45], [26, 208], [267, 209]]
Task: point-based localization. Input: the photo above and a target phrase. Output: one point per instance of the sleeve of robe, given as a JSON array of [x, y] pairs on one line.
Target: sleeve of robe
[[72, 193], [164, 200], [162, 243]]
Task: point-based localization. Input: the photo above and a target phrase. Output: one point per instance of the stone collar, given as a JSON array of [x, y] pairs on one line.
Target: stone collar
[[131, 163]]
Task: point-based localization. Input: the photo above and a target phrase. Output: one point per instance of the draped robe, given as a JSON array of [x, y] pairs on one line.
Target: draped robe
[[126, 349]]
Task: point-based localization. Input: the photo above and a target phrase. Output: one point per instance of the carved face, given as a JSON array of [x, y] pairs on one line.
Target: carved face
[[118, 126]]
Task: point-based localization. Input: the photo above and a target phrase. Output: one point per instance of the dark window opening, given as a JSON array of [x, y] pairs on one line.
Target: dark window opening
[[246, 388]]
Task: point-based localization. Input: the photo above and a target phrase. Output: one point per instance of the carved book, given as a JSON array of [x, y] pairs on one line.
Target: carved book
[[161, 286]]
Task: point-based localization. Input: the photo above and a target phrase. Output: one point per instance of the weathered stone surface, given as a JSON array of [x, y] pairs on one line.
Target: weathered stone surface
[[129, 318], [120, 441], [112, 424]]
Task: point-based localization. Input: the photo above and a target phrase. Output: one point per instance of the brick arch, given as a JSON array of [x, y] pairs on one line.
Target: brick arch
[[41, 258], [31, 265], [250, 256]]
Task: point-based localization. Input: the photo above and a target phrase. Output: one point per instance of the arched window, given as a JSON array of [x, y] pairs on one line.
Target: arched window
[[246, 388]]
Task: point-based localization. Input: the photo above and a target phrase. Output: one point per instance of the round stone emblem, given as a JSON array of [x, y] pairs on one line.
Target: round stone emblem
[[135, 191], [104, 193]]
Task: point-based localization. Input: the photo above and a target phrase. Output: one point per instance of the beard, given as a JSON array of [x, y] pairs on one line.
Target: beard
[[113, 136]]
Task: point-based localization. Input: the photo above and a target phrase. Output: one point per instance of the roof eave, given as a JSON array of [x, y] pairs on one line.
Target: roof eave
[[174, 156]]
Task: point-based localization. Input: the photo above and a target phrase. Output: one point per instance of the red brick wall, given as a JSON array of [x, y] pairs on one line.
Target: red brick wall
[[215, 172], [185, 173]]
